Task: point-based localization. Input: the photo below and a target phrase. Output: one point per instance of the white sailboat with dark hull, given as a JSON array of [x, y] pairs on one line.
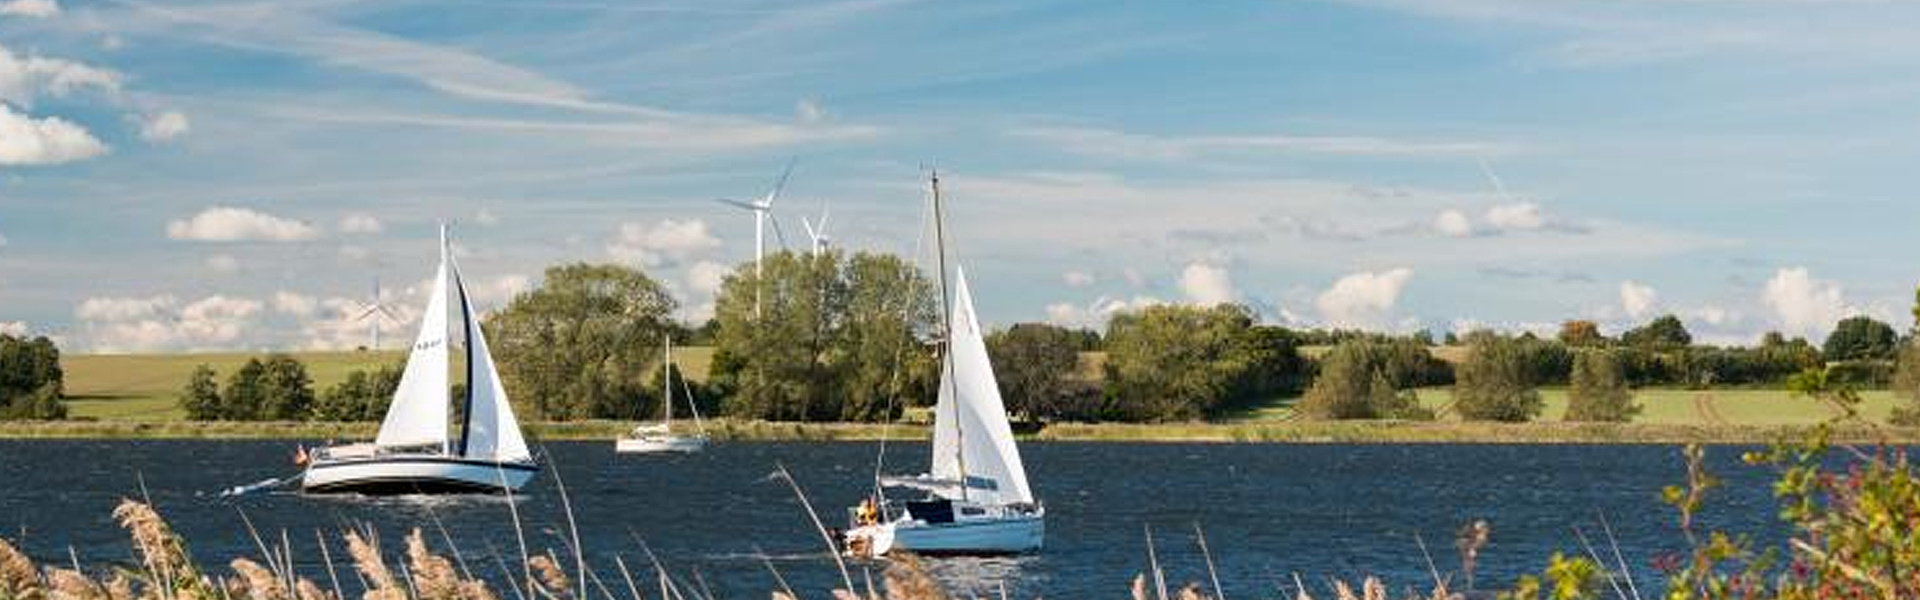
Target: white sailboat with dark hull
[[659, 438], [975, 499], [416, 451]]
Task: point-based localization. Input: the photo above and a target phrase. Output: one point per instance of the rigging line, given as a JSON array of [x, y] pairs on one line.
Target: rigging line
[[947, 364], [907, 306]]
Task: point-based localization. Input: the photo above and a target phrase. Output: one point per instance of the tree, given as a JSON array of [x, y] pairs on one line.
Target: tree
[[32, 385], [1859, 338], [1037, 366], [1581, 333], [1664, 332], [1354, 383], [1496, 382], [833, 338], [286, 390], [583, 343], [1182, 362], [362, 396], [201, 397], [1599, 391]]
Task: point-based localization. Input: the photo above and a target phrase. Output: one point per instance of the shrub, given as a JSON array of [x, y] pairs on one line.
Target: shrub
[[1497, 381], [1598, 391]]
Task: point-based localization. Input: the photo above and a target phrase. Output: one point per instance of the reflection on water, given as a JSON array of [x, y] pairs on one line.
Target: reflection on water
[[1269, 510]]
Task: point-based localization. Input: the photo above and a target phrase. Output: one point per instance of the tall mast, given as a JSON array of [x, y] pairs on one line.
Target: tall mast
[[946, 326], [666, 387]]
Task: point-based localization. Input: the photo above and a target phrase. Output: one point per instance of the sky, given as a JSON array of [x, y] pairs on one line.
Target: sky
[[237, 175]]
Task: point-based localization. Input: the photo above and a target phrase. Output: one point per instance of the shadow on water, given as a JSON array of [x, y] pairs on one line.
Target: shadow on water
[[1268, 510]]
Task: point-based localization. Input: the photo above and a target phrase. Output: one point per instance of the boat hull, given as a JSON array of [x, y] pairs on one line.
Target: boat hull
[[677, 445], [1012, 534], [392, 475]]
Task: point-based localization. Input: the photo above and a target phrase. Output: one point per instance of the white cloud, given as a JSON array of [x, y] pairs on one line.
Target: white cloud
[[361, 223], [704, 279], [22, 79], [1207, 284], [290, 303], [1519, 216], [25, 140], [223, 263], [15, 328], [1804, 306], [496, 292], [1095, 314], [1453, 223], [161, 323], [1637, 298], [164, 126], [38, 9], [233, 224], [1122, 144], [1077, 278], [669, 242], [1362, 299]]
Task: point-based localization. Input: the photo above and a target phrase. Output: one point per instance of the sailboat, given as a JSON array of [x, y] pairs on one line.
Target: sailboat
[[658, 438], [416, 451], [975, 499]]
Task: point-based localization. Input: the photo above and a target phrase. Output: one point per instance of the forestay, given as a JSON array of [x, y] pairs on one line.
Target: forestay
[[970, 420]]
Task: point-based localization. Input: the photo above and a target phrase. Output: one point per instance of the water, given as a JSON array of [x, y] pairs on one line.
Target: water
[[1268, 510]]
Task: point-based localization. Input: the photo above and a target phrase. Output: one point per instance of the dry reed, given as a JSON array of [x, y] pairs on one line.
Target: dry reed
[[381, 584], [549, 580], [18, 577]]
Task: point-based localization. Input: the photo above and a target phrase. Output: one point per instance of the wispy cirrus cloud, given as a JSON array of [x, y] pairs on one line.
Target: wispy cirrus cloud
[[1130, 145]]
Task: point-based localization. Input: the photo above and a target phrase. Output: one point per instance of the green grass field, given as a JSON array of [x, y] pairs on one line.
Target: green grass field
[[1659, 406]]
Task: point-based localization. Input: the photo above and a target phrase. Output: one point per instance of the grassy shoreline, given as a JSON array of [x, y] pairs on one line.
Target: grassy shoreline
[[1299, 432]]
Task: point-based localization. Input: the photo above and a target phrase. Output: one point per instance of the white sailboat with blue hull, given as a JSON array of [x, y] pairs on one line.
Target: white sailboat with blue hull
[[416, 451], [976, 499]]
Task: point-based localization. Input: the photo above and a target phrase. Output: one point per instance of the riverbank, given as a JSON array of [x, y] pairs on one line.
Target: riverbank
[[1302, 432]]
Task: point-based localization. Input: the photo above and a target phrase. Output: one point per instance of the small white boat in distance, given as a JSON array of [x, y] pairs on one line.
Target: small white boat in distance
[[976, 499], [658, 438], [415, 451]]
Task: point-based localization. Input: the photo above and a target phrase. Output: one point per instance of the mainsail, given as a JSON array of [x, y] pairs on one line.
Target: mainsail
[[418, 415], [970, 427], [491, 431]]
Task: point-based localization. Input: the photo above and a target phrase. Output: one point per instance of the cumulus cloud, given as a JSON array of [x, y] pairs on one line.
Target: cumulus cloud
[[1453, 223], [1077, 278], [234, 224], [669, 242], [24, 78], [1096, 313], [164, 126], [25, 140], [157, 323], [1804, 306], [1362, 299], [15, 328], [704, 279], [1207, 284], [1519, 216], [361, 223], [1637, 298], [496, 292], [290, 303], [38, 9]]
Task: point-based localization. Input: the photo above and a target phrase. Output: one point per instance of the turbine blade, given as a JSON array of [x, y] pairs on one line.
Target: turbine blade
[[811, 233], [1498, 186], [777, 233], [737, 203], [780, 184]]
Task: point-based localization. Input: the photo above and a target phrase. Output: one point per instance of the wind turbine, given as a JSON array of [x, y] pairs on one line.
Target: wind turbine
[[817, 230], [763, 212], [375, 311]]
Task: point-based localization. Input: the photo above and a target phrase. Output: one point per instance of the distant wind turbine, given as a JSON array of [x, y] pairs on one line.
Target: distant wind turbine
[[763, 212], [817, 230], [374, 312]]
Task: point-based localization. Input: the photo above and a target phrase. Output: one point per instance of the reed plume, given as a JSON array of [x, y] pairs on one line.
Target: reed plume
[[171, 574], [68, 584], [18, 577], [549, 581], [257, 583], [906, 579], [434, 577], [306, 590], [381, 584]]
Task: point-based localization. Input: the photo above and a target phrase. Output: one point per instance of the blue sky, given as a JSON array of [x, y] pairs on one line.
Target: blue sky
[[233, 175]]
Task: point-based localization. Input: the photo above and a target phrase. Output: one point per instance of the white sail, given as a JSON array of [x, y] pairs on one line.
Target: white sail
[[970, 421], [491, 430], [418, 414]]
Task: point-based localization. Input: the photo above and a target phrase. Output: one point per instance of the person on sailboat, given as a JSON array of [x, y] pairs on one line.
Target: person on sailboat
[[867, 514]]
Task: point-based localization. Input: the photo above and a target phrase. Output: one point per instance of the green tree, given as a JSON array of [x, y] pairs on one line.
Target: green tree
[[1356, 382], [583, 343], [201, 396], [1859, 338], [31, 381], [1599, 391], [834, 338], [1037, 366], [286, 392], [1183, 362], [362, 396], [1497, 380], [1664, 332]]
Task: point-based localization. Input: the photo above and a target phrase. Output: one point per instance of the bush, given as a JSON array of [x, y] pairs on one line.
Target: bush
[[1497, 381], [274, 389], [1184, 362], [1356, 382], [1598, 391], [31, 382], [362, 396]]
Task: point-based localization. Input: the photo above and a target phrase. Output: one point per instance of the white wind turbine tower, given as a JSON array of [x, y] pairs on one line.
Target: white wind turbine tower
[[817, 230], [374, 312], [763, 212]]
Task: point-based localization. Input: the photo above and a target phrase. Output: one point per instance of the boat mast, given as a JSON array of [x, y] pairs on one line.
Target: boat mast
[[946, 326], [666, 388]]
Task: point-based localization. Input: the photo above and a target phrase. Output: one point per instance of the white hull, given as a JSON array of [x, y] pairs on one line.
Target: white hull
[[667, 445], [1010, 534], [414, 474]]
